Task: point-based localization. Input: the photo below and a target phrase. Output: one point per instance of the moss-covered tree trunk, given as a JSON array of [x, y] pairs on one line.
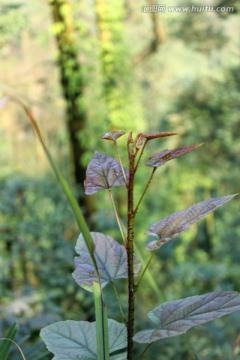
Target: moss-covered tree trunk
[[110, 26], [72, 85], [122, 109]]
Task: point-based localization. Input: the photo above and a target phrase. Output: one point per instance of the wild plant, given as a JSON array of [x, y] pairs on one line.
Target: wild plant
[[102, 260]]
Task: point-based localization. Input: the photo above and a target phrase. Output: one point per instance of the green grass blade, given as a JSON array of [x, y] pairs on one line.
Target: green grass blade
[[100, 313], [5, 343], [71, 199], [105, 339], [101, 324]]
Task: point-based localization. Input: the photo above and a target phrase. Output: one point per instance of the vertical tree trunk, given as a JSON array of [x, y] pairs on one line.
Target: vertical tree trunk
[[110, 26], [72, 85], [116, 72], [122, 107]]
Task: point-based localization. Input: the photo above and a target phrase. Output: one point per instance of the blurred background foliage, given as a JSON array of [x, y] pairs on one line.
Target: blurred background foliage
[[86, 68]]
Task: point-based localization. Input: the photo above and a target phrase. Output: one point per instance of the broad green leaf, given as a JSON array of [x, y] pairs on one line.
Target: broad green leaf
[[111, 259], [176, 317], [162, 157], [76, 340], [172, 225], [103, 172], [113, 136]]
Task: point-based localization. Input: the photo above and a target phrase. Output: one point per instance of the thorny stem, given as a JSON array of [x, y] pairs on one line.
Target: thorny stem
[[119, 303], [130, 255], [120, 161], [144, 191], [144, 351], [144, 270], [140, 155], [116, 215]]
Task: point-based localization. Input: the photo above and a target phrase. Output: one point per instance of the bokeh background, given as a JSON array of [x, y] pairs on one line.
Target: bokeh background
[[88, 67]]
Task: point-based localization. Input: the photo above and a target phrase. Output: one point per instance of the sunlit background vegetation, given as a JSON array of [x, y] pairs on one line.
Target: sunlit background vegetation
[[86, 68]]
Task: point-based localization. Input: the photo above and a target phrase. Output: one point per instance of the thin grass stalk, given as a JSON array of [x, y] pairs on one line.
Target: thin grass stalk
[[106, 334], [141, 153], [145, 269], [148, 274], [117, 216], [6, 342], [101, 327], [13, 342], [101, 317], [145, 190], [119, 303], [144, 351], [120, 161]]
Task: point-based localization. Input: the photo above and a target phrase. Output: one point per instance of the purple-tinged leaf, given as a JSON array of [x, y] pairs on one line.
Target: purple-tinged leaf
[[162, 157], [158, 135], [111, 259], [172, 225], [113, 136], [103, 172], [176, 317]]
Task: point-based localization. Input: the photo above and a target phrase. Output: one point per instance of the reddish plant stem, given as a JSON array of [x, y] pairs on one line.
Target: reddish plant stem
[[130, 254]]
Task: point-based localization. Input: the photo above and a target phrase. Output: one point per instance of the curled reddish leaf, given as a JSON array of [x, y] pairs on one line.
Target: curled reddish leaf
[[163, 156], [113, 136], [158, 135], [130, 138], [103, 172], [172, 225], [139, 141]]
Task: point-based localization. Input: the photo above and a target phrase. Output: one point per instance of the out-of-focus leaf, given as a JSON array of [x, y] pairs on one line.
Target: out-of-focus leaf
[[76, 340], [176, 317], [113, 136], [103, 172], [172, 225], [111, 259], [3, 101], [158, 135], [163, 156]]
